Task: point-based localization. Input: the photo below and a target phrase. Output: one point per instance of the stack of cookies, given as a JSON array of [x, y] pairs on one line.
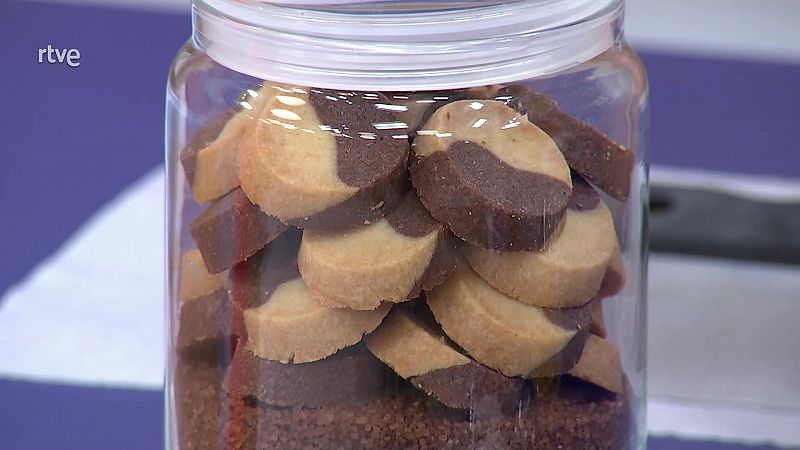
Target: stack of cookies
[[410, 271]]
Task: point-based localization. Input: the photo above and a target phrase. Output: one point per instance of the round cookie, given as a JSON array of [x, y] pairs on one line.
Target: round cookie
[[289, 326], [210, 157], [412, 344], [499, 331], [392, 260], [325, 160], [569, 271], [350, 377], [588, 151], [495, 179]]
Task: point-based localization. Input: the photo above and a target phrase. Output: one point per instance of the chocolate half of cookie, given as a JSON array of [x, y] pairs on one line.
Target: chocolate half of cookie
[[412, 344], [326, 160], [206, 328], [569, 271], [495, 179], [210, 157], [587, 150], [282, 322], [500, 332], [232, 229], [350, 377], [392, 260]]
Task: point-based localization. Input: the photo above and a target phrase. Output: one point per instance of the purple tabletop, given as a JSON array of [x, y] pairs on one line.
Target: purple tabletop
[[74, 138]]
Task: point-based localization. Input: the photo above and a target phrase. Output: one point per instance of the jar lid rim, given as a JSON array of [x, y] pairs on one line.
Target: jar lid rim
[[480, 20], [404, 51]]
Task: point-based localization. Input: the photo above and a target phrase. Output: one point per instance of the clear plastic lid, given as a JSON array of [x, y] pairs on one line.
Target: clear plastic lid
[[401, 46]]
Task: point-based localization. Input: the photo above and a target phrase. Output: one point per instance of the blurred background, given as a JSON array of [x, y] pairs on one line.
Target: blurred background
[[81, 235]]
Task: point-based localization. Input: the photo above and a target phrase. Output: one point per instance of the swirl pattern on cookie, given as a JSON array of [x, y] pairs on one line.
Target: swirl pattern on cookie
[[498, 331], [210, 157], [324, 159], [412, 344], [290, 326], [588, 151], [569, 271], [495, 179], [232, 229], [392, 260]]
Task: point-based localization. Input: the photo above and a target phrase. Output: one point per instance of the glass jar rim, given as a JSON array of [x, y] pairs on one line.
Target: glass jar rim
[[400, 49]]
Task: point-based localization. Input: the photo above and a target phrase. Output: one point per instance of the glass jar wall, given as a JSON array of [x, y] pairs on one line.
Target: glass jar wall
[[383, 240]]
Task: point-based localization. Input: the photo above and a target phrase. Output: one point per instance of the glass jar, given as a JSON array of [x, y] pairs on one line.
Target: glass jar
[[406, 225]]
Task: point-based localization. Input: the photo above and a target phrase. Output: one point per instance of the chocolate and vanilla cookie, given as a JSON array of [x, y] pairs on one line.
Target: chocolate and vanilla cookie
[[588, 151], [282, 322], [392, 260], [210, 157], [325, 159], [414, 346], [195, 279], [500, 332], [206, 327], [350, 377], [600, 365], [495, 179], [232, 229], [613, 283], [569, 271]]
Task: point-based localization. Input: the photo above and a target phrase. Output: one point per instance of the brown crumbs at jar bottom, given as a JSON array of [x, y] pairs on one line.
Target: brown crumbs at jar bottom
[[573, 415]]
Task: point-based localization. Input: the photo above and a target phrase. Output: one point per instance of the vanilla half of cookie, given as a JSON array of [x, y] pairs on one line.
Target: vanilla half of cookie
[[600, 365], [195, 280], [499, 331], [392, 260], [290, 326], [325, 159], [210, 157], [495, 179], [412, 344], [569, 271]]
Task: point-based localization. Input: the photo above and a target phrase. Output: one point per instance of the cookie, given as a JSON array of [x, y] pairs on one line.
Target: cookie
[[496, 180], [412, 344], [613, 283], [600, 365], [350, 377], [326, 160], [568, 272], [588, 151], [210, 157], [563, 361], [392, 260], [499, 331], [231, 230], [614, 277], [290, 326], [195, 280], [205, 328]]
